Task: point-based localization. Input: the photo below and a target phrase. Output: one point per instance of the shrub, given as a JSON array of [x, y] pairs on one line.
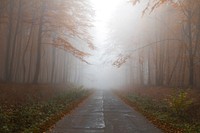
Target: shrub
[[179, 102]]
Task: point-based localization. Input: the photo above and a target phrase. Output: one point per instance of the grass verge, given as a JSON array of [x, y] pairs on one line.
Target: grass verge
[[38, 115], [171, 113]]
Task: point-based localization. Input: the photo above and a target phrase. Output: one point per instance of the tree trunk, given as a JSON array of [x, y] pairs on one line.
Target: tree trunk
[[53, 64], [190, 50], [39, 45], [15, 41], [8, 49]]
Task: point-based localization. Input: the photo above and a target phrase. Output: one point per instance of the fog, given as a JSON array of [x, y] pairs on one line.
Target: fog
[[111, 33], [92, 60], [100, 44]]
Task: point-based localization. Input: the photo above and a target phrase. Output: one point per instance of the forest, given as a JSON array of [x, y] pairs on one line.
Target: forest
[[35, 38], [168, 53], [38, 45], [54, 54]]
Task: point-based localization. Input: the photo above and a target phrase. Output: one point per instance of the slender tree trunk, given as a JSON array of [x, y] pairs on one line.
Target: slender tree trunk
[[191, 58], [25, 51], [8, 49], [149, 68], [30, 62], [17, 72], [53, 64], [174, 68], [39, 45], [15, 41]]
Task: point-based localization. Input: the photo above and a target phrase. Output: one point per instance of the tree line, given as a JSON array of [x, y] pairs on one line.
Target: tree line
[[38, 39], [169, 53]]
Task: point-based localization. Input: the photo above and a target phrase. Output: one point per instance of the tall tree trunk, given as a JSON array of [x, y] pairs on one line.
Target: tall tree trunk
[[149, 67], [174, 68], [30, 62], [8, 49], [15, 41], [25, 50], [39, 45], [190, 50], [53, 64]]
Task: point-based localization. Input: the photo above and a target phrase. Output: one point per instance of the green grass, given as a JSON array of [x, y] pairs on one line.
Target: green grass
[[37, 116], [171, 114]]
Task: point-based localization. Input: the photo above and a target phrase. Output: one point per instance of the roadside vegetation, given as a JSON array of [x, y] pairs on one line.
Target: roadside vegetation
[[171, 110], [35, 108]]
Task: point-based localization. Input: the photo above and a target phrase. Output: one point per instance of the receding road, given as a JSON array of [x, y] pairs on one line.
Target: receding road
[[103, 112]]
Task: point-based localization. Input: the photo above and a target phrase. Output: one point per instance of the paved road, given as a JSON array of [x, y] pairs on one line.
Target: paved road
[[104, 113]]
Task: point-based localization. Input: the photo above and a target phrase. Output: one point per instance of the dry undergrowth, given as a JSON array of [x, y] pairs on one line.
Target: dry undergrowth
[[35, 108], [155, 103]]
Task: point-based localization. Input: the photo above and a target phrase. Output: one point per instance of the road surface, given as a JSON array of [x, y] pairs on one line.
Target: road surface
[[103, 112]]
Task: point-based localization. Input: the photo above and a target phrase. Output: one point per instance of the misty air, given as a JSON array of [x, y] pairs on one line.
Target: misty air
[[99, 66]]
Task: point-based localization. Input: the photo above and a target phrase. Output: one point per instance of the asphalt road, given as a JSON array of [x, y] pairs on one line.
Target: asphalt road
[[103, 112]]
